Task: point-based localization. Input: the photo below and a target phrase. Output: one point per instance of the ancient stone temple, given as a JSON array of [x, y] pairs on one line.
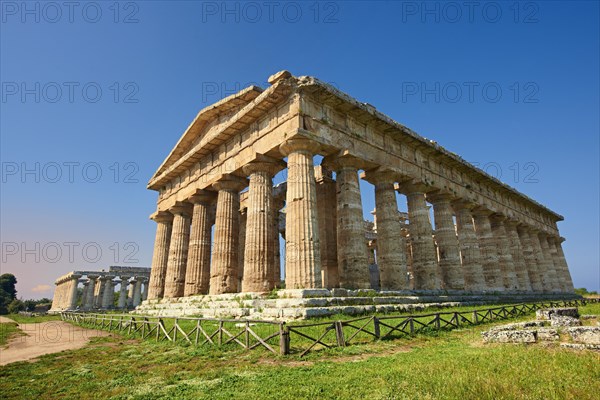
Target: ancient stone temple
[[98, 289], [219, 217]]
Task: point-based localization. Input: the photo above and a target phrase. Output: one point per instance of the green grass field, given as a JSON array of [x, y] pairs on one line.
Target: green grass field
[[6, 331], [442, 365]]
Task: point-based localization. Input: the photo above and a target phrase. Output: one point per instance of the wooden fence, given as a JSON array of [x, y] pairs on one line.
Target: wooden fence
[[282, 338]]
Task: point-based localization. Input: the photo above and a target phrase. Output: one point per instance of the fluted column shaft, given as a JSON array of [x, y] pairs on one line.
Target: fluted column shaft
[[327, 210], [489, 252], [178, 251], [470, 255], [541, 262], [131, 292], [137, 293], [530, 259], [98, 295], [225, 253], [391, 248], [302, 246], [160, 257], [516, 250], [108, 294], [89, 301], [352, 252], [424, 258], [73, 294], [550, 272], [568, 281], [259, 251], [560, 282], [123, 292], [197, 274], [507, 266], [447, 243]]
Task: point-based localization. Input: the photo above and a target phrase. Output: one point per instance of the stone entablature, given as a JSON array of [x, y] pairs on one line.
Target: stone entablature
[[98, 289], [502, 240]]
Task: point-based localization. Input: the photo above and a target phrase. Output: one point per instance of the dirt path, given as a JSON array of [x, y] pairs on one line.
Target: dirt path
[[45, 338]]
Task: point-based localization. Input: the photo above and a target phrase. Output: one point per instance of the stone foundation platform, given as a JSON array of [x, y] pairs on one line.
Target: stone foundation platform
[[288, 305]]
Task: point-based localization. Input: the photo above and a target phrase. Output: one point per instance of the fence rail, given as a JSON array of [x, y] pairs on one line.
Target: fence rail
[[278, 337]]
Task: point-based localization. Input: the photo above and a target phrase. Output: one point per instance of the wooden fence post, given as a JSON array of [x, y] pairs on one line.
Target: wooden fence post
[[376, 328], [284, 339], [339, 334]]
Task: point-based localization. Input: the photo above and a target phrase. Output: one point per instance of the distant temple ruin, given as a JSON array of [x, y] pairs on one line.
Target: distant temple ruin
[[98, 289]]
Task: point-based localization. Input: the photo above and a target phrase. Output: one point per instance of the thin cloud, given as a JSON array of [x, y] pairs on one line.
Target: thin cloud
[[41, 288]]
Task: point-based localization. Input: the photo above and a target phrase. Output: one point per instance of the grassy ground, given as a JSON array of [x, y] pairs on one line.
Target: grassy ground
[[21, 319], [444, 365], [7, 330]]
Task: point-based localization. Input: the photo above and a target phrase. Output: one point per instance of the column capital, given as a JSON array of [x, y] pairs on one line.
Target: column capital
[[202, 197], [413, 186], [299, 144], [498, 218], [481, 211], [459, 204], [380, 175], [230, 183], [181, 208], [343, 159], [439, 197], [161, 216], [512, 222], [263, 164]]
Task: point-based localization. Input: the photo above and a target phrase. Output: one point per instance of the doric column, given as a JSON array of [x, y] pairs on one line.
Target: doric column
[[197, 274], [225, 268], [145, 290], [89, 301], [470, 255], [178, 250], [73, 293], [259, 251], [84, 293], [327, 220], [556, 262], [109, 293], [302, 246], [352, 252], [507, 266], [242, 244], [123, 292], [516, 250], [447, 242], [489, 252], [554, 283], [424, 258], [567, 280], [98, 295], [277, 255], [131, 293], [391, 255], [540, 259], [529, 257], [164, 225], [137, 292]]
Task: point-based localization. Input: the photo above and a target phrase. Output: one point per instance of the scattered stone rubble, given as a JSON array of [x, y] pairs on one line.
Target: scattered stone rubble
[[550, 324]]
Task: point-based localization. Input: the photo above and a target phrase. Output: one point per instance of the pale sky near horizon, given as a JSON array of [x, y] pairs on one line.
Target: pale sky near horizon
[[95, 94]]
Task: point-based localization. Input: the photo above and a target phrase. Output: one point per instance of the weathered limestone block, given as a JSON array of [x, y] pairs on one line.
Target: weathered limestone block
[[447, 242], [563, 320], [224, 269], [178, 250], [545, 313], [391, 248], [259, 253], [509, 336], [489, 251], [517, 255], [164, 225], [547, 334], [197, 273], [469, 247], [507, 267], [302, 247], [353, 260], [585, 334], [424, 259]]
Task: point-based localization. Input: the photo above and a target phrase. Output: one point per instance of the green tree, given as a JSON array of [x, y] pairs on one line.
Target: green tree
[[15, 306], [8, 291]]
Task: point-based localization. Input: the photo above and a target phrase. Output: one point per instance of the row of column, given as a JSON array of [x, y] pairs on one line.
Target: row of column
[[98, 292], [325, 244]]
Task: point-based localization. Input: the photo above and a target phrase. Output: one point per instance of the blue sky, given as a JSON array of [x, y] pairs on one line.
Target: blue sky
[[94, 98]]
